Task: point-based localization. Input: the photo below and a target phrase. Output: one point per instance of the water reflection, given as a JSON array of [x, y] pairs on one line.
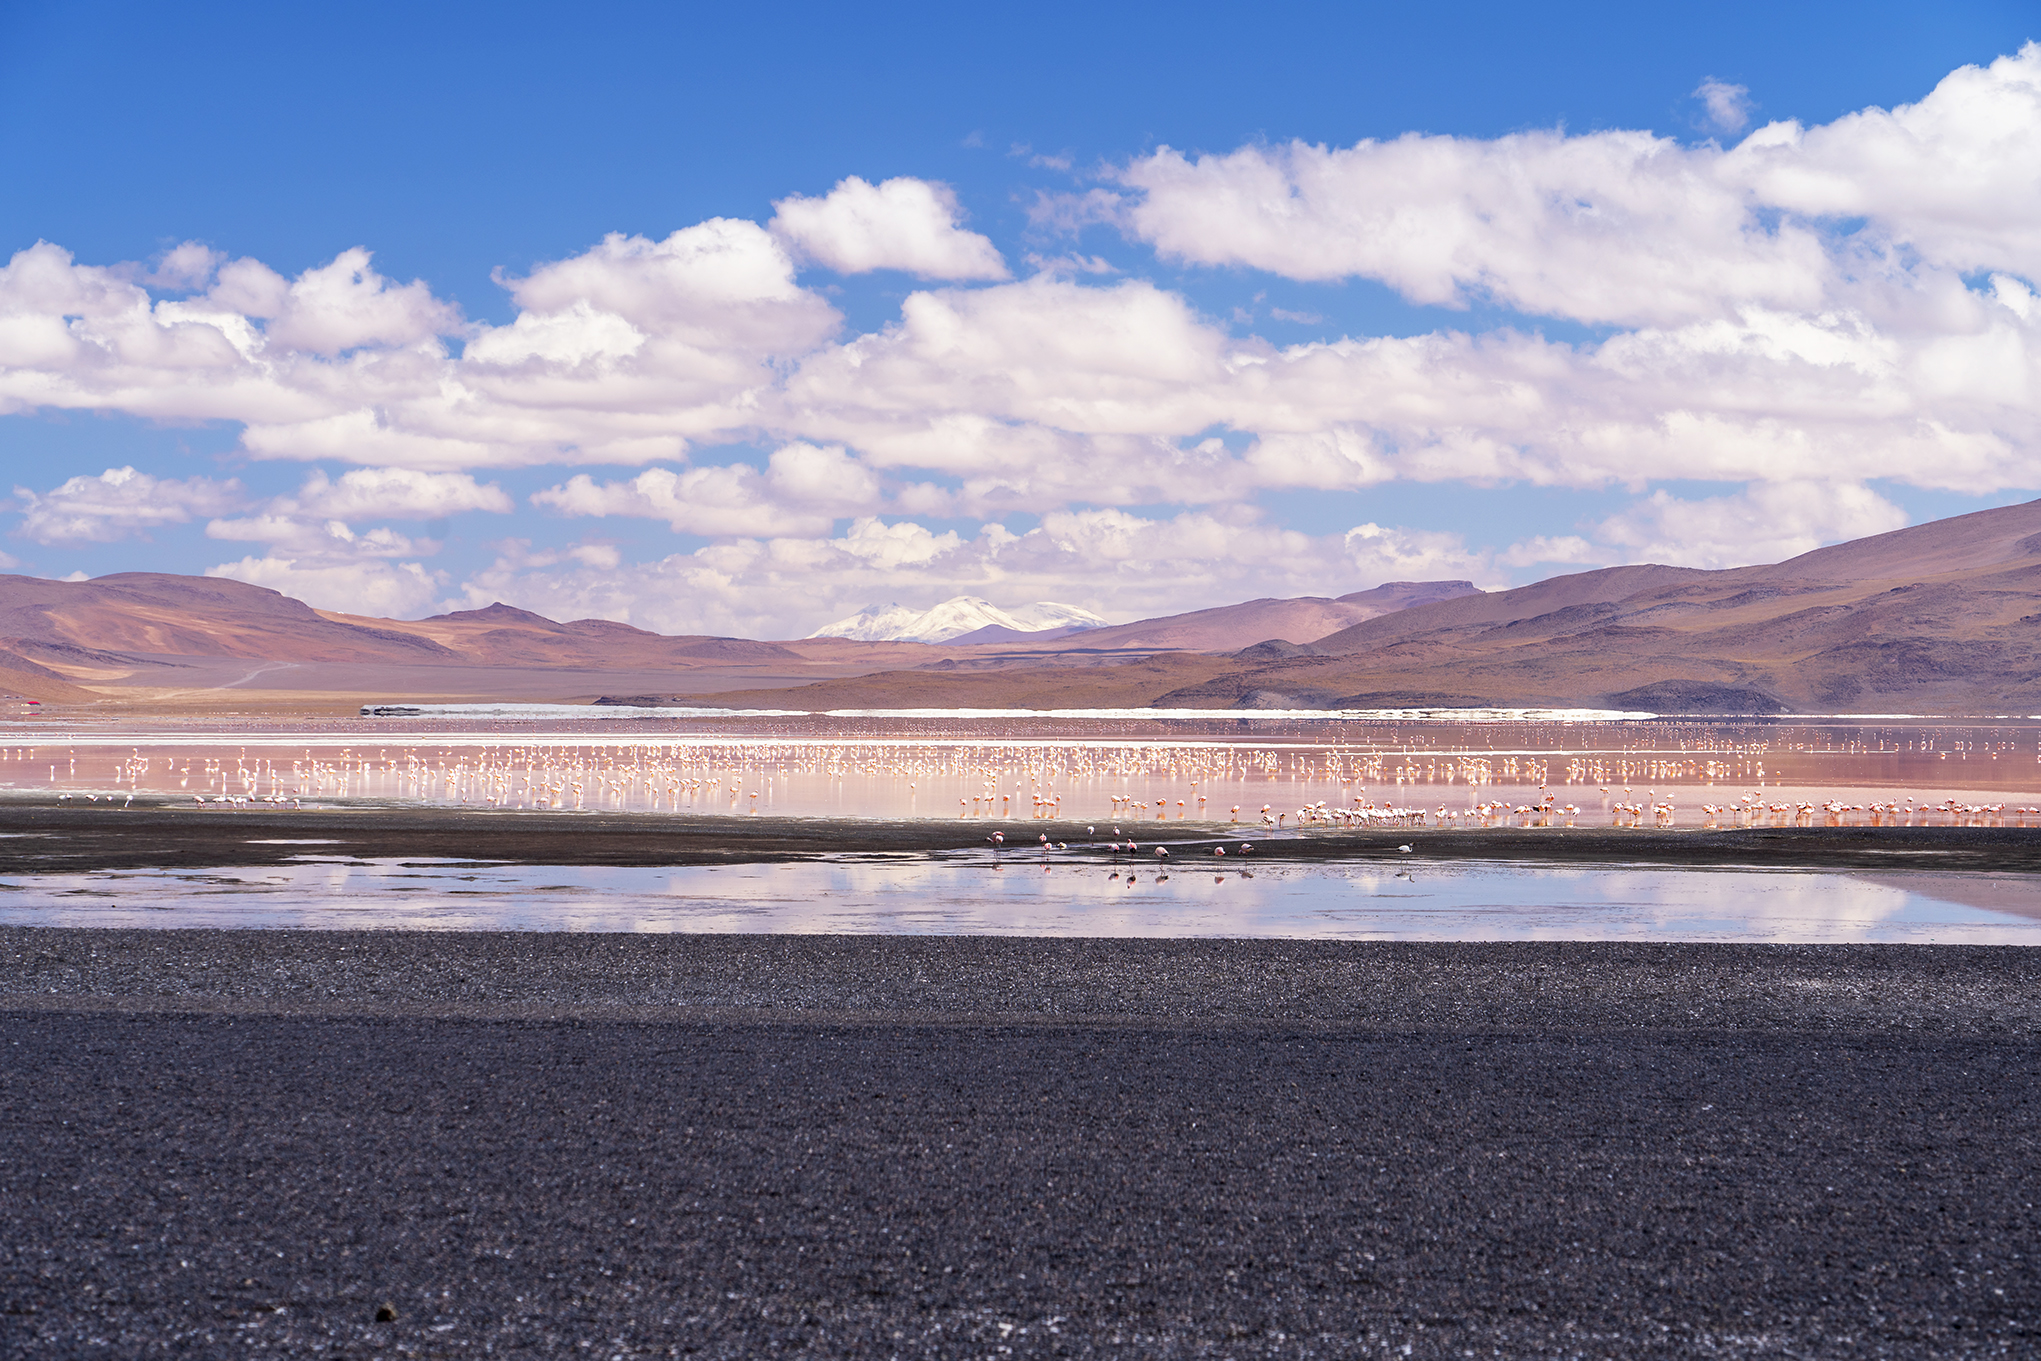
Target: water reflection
[[1469, 901]]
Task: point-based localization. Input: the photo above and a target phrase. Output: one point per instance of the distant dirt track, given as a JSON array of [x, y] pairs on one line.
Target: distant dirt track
[[39, 838]]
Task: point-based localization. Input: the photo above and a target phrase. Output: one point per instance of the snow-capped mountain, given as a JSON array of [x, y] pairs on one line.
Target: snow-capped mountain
[[1047, 614], [872, 624], [957, 615], [954, 618]]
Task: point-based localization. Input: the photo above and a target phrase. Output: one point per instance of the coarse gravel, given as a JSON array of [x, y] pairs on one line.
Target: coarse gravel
[[254, 1143]]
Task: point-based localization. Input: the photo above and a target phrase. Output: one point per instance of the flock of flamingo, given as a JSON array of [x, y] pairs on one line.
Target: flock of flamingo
[[1124, 781]]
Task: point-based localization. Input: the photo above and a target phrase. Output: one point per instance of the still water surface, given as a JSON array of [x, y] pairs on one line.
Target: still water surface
[[966, 895], [1501, 768]]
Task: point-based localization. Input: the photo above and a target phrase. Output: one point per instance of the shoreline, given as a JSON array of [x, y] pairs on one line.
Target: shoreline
[[42, 838]]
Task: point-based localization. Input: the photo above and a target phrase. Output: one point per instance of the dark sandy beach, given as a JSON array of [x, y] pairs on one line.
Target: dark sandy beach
[[41, 837], [237, 1143]]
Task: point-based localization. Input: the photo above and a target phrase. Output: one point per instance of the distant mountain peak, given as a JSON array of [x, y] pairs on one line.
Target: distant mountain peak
[[1401, 595], [872, 624], [500, 613], [954, 618]]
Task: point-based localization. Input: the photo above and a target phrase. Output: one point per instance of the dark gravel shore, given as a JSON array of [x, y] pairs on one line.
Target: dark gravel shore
[[246, 1143], [41, 837]]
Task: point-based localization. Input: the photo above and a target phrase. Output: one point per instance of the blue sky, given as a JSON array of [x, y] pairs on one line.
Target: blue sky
[[472, 147]]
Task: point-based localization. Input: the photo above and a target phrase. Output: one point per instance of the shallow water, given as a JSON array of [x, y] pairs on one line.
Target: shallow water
[[968, 894], [1460, 771], [1117, 770]]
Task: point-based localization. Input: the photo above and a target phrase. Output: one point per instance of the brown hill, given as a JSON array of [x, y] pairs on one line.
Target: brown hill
[[502, 635], [155, 638], [151, 637], [1943, 617], [150, 614], [130, 618], [1937, 618], [142, 635], [1227, 628], [24, 679]]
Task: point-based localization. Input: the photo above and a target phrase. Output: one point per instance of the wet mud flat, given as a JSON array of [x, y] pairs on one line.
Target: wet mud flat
[[41, 837], [239, 1142]]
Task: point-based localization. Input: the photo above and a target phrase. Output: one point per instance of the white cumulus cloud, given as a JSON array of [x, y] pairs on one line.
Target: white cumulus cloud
[[185, 267], [1728, 105], [397, 493], [311, 549], [1111, 562], [1765, 522], [1813, 307], [904, 224], [322, 541], [802, 491], [1951, 176], [1610, 227], [381, 589], [346, 304], [1624, 227], [118, 503]]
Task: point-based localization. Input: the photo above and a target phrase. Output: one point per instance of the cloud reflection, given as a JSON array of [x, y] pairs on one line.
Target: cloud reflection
[[1026, 895]]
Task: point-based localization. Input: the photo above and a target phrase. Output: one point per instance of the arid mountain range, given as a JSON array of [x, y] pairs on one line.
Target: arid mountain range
[[1943, 617]]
